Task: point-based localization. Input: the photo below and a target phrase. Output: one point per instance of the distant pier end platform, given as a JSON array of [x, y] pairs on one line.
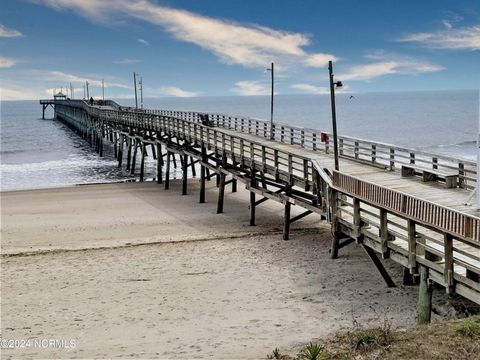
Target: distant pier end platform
[[401, 204]]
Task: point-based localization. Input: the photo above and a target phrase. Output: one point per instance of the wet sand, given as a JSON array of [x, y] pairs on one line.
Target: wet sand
[[235, 292]]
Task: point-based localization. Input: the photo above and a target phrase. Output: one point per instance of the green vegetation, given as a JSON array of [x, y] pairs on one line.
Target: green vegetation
[[469, 327], [453, 339], [313, 352]]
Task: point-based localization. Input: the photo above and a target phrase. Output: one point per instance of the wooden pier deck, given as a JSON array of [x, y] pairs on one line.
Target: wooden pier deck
[[418, 220]]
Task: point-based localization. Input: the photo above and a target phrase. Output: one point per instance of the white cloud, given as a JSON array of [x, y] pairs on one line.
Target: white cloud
[[319, 60], [7, 33], [144, 42], [8, 92], [58, 75], [248, 87], [177, 92], [126, 61], [387, 64], [310, 89], [7, 62], [463, 38], [231, 42]]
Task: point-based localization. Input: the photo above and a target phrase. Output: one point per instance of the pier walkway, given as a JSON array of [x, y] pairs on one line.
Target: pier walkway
[[397, 203]]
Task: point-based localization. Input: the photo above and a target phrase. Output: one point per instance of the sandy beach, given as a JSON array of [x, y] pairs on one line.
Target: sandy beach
[[132, 270]]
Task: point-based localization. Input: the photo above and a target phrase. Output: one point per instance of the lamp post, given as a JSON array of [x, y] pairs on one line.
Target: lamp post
[[333, 84], [135, 87], [272, 71], [141, 92], [103, 89]]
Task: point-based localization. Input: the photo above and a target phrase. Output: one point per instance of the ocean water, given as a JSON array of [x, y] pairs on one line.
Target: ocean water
[[36, 153]]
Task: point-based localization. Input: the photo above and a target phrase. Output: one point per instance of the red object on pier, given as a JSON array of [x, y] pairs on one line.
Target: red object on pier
[[323, 137]]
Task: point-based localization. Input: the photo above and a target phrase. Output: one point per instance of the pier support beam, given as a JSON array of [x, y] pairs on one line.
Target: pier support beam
[[159, 163], [142, 161], [424, 305], [252, 197], [120, 150], [286, 214], [167, 171], [134, 157], [129, 152], [202, 175], [381, 269], [115, 145], [221, 193], [184, 174]]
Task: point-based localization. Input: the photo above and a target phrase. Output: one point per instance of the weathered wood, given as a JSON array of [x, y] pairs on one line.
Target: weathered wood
[[384, 236], [424, 304], [412, 245], [167, 171], [142, 161], [120, 150], [286, 214], [378, 264], [184, 174], [134, 157], [202, 175], [334, 216], [221, 193], [448, 266], [159, 164], [253, 184]]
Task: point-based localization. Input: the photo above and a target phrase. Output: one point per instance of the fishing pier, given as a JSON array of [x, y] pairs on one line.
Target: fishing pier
[[397, 203]]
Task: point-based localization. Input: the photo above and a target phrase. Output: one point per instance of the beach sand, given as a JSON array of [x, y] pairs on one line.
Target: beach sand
[[202, 285]]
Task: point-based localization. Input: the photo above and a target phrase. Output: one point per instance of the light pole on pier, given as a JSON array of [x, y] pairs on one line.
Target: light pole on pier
[[88, 92], [141, 92], [333, 84], [135, 87], [272, 71], [103, 89]]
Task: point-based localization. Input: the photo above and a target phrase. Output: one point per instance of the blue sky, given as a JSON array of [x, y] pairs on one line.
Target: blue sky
[[211, 47]]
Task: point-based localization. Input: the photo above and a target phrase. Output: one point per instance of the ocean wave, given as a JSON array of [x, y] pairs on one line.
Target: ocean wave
[[63, 164]]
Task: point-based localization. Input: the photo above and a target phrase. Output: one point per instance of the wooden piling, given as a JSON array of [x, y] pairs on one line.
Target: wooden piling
[[159, 163], [129, 152], [142, 161], [167, 171], [202, 175], [221, 192], [120, 150], [286, 216], [424, 305], [134, 157], [252, 197], [184, 174]]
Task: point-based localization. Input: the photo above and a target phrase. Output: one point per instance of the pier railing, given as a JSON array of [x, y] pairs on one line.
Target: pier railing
[[365, 151]]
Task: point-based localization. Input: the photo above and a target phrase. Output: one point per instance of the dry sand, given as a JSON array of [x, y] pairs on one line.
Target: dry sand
[[238, 293]]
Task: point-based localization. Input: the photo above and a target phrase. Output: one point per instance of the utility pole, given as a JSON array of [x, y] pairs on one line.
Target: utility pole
[[141, 92], [103, 89], [135, 86], [272, 71], [338, 84]]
